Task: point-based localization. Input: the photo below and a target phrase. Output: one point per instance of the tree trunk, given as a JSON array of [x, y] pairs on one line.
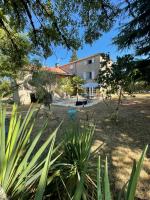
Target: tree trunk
[[16, 96], [118, 105], [77, 93]]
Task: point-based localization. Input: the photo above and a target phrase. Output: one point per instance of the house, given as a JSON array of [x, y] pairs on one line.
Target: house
[[24, 93], [87, 68]]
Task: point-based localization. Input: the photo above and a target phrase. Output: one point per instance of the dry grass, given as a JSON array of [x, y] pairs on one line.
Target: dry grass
[[124, 141], [121, 142]]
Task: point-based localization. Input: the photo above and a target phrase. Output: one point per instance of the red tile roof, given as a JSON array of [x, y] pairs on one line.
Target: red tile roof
[[56, 70]]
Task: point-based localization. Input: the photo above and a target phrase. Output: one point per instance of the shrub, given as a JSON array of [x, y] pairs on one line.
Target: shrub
[[141, 86]]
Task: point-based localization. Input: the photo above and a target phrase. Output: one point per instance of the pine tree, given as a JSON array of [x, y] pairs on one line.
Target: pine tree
[[136, 32], [74, 56]]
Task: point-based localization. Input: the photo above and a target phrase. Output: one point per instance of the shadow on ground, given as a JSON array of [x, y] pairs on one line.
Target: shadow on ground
[[122, 142]]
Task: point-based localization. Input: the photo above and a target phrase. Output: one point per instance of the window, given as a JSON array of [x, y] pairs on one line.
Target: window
[[89, 61], [93, 74], [84, 75], [88, 75]]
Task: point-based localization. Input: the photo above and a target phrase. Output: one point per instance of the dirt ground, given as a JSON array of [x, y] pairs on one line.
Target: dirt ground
[[122, 142]]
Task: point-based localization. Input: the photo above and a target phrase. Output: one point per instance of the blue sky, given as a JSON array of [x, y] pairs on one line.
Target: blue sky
[[103, 45]]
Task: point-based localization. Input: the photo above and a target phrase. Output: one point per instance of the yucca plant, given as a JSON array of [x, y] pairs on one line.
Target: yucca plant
[[129, 189], [21, 166], [76, 174]]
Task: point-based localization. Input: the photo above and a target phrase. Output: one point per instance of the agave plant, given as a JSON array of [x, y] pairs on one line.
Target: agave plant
[[129, 189], [21, 166], [77, 169]]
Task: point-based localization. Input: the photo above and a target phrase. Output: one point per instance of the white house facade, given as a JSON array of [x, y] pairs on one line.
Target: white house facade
[[88, 69]]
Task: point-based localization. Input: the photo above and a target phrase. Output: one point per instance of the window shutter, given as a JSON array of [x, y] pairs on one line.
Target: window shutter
[[93, 74], [84, 75]]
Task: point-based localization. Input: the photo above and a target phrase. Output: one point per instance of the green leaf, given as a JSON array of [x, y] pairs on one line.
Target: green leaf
[[43, 179], [131, 179], [79, 189], [19, 167], [99, 192], [35, 158], [27, 155], [106, 182], [2, 142], [135, 176]]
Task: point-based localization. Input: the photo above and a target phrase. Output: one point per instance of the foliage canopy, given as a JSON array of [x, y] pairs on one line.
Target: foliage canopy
[[57, 22], [119, 78], [10, 61], [136, 31]]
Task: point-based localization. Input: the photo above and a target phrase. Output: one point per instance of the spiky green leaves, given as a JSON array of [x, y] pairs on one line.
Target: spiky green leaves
[[20, 164]]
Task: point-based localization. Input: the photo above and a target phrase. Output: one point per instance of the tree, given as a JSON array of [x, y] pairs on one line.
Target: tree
[[136, 32], [77, 81], [143, 65], [10, 63], [5, 88], [74, 56], [66, 85], [44, 83], [71, 85], [117, 79], [48, 24], [53, 23], [36, 63], [13, 64]]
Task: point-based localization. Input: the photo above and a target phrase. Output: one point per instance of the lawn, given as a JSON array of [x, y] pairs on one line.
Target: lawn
[[121, 142]]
